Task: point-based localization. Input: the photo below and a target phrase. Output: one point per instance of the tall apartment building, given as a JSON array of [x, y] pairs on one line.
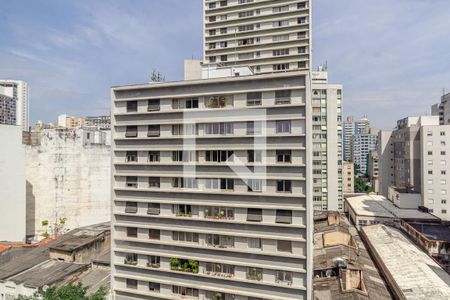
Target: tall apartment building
[[348, 177], [268, 36], [442, 110], [348, 133], [327, 142], [7, 110], [18, 90], [419, 163], [362, 145], [189, 219], [362, 125]]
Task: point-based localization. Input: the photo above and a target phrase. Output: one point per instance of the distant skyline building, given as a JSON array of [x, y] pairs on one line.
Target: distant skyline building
[[348, 133], [442, 110], [268, 36], [100, 122], [327, 102], [362, 145], [7, 110], [18, 90]]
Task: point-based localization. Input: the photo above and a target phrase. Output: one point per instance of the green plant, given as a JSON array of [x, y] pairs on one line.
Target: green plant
[[67, 292]]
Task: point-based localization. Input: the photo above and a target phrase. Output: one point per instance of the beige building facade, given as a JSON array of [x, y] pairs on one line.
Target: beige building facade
[[348, 177]]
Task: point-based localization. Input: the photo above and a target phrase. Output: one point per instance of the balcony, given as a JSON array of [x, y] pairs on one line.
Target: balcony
[[184, 265]]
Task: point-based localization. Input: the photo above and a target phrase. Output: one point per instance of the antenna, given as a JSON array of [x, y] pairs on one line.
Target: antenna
[[157, 76]]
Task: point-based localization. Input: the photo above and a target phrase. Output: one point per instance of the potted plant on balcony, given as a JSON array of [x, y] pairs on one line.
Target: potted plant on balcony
[[174, 263], [194, 266], [222, 101]]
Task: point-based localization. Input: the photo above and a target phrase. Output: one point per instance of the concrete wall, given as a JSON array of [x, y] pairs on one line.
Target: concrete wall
[[12, 184], [68, 176]]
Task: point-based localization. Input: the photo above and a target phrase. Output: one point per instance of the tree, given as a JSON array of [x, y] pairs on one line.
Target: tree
[[67, 292]]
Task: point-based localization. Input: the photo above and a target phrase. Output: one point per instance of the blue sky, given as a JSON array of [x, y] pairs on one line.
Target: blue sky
[[393, 56]]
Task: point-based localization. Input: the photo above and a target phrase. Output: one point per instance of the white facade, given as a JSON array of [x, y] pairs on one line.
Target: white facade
[[327, 102], [362, 145], [18, 90], [68, 176], [268, 36], [435, 161], [12, 184], [348, 132]]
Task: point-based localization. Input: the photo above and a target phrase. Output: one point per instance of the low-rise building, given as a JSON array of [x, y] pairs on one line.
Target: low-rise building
[[99, 122], [409, 272], [348, 177], [44, 266], [374, 170], [434, 238], [374, 209], [343, 268], [404, 198]]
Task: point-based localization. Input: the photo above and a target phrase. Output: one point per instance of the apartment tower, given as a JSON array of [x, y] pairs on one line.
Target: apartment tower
[[18, 90], [212, 176], [266, 35]]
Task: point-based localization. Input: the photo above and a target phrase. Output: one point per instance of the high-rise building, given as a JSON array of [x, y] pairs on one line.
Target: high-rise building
[[348, 177], [7, 110], [348, 133], [18, 90], [442, 110], [327, 142], [268, 36], [211, 189], [362, 125], [362, 145], [418, 161]]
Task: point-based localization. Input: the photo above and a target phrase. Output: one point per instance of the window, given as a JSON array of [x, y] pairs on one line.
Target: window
[[219, 128], [284, 246], [132, 182], [301, 20], [132, 131], [442, 133], [443, 153], [254, 99], [153, 156], [281, 67], [254, 243], [219, 213], [301, 50], [216, 102], [254, 214], [153, 261], [280, 52], [153, 105], [430, 152], [443, 201], [154, 234], [245, 42], [154, 182], [284, 216], [284, 277], [246, 27], [185, 291], [223, 3], [184, 129], [283, 97], [301, 35], [444, 211], [154, 287], [182, 210], [280, 23], [132, 284], [223, 45], [252, 129], [254, 156], [212, 59], [221, 241], [280, 9], [219, 269], [212, 19], [189, 237], [132, 232], [132, 106], [301, 5], [284, 156], [254, 274], [219, 156], [188, 183], [184, 156], [212, 5], [283, 126], [131, 207], [443, 172], [254, 185], [223, 57], [153, 209], [131, 259], [245, 14], [284, 186], [188, 103], [132, 156], [280, 38], [153, 130]]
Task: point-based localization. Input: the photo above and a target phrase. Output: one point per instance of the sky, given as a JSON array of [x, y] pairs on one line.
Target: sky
[[392, 56]]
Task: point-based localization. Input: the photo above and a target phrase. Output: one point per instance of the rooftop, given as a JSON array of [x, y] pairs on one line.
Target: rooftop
[[379, 206], [416, 274], [81, 237], [335, 237], [433, 231]]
